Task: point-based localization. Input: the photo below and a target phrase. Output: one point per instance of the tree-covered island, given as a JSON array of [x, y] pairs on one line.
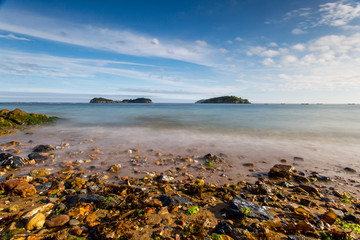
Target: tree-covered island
[[105, 100], [225, 99]]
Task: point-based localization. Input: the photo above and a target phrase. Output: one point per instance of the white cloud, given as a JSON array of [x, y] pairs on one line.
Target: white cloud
[[255, 50], [238, 39], [268, 62], [155, 41], [229, 42], [273, 44], [298, 31], [223, 50], [289, 59], [201, 43], [299, 47], [113, 40], [339, 13], [12, 36], [270, 53]]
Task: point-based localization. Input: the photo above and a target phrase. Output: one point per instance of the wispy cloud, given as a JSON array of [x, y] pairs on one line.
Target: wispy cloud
[[13, 37], [114, 40]]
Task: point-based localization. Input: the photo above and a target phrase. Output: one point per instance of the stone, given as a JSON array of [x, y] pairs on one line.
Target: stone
[[213, 158], [37, 157], [57, 221], [14, 209], [331, 216], [36, 222], [115, 168], [223, 228], [87, 198], [11, 184], [43, 148], [301, 178], [24, 190], [281, 171], [7, 159], [309, 189], [239, 208], [43, 187], [153, 203], [39, 172], [350, 170], [165, 178], [74, 222], [320, 177], [42, 209], [298, 159]]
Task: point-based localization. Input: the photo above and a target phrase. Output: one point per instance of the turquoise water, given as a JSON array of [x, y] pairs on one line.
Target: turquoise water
[[315, 120]]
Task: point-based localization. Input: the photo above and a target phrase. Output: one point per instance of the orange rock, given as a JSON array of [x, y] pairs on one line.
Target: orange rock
[[11, 184], [24, 190]]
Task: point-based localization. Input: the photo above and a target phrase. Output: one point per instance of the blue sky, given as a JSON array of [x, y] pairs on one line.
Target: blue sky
[[270, 51]]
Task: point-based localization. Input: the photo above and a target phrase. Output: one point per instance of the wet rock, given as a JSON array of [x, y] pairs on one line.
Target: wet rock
[[351, 218], [248, 165], [7, 159], [87, 198], [43, 148], [24, 190], [165, 200], [309, 189], [11, 184], [301, 178], [115, 168], [57, 221], [42, 209], [165, 178], [40, 172], [263, 189], [350, 170], [239, 208], [294, 237], [110, 201], [223, 228], [281, 171], [300, 159], [331, 216], [74, 222], [153, 203], [323, 178], [36, 222], [37, 157], [213, 158], [284, 184], [14, 209], [43, 187]]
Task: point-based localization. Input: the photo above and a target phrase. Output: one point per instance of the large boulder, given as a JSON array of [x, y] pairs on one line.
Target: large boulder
[[281, 171]]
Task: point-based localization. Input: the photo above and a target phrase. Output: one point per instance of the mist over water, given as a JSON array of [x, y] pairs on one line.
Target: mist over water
[[326, 136]]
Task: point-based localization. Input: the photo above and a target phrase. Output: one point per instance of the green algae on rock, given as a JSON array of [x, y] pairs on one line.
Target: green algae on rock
[[17, 118]]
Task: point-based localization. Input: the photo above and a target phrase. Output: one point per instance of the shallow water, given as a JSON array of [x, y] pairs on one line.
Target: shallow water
[[326, 136]]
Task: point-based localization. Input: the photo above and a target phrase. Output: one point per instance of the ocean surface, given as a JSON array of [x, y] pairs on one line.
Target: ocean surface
[[327, 137], [296, 120]]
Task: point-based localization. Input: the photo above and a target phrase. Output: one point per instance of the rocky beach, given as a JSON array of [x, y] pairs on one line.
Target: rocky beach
[[58, 184]]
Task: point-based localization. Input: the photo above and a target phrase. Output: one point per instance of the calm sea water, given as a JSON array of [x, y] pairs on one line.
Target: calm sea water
[[341, 121]]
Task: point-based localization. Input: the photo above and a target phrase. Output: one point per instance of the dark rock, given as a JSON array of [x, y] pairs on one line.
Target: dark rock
[[37, 157], [327, 199], [281, 170], [43, 187], [237, 205], [263, 189], [223, 228], [213, 158], [87, 198], [284, 184], [321, 177], [309, 188], [350, 170], [57, 221], [165, 199], [298, 159], [7, 159], [294, 237], [238, 234], [351, 218], [43, 148], [110, 201], [175, 201]]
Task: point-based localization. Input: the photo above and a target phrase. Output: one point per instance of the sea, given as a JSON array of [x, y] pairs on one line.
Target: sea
[[326, 136]]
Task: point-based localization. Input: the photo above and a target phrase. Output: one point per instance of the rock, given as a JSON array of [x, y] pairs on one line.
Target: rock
[[87, 198], [37, 157], [42, 209], [281, 171], [110, 201], [43, 148], [320, 177], [74, 222], [11, 184], [223, 228], [298, 159], [331, 216], [213, 158], [351, 218], [263, 189], [43, 187], [165, 178], [24, 190], [57, 221], [239, 208], [115, 168], [7, 159], [248, 165], [309, 189], [153, 203], [301, 178], [39, 172], [350, 170], [14, 209], [36, 222]]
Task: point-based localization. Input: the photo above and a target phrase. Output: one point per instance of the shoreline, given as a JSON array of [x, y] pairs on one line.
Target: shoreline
[[144, 160]]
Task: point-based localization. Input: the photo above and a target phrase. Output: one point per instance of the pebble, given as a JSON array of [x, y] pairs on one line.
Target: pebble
[[57, 221], [36, 222]]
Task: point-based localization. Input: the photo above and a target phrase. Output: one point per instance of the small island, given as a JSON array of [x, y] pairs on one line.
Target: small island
[[225, 99], [105, 100]]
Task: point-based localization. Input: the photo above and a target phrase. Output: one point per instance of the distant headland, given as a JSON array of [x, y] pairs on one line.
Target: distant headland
[[225, 99], [105, 100]]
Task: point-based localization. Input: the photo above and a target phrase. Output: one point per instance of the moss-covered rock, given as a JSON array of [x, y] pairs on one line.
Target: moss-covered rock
[[17, 118]]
